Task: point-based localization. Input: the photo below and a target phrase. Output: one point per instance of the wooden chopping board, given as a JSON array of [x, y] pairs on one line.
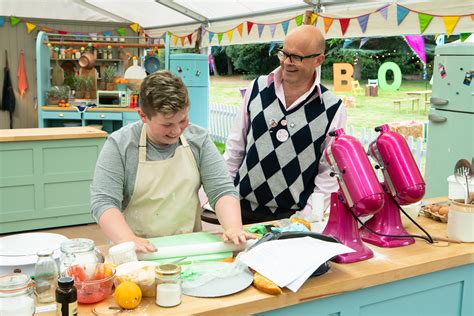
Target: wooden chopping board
[[190, 239]]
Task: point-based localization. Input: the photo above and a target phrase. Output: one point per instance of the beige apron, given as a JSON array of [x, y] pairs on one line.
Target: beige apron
[[165, 198]]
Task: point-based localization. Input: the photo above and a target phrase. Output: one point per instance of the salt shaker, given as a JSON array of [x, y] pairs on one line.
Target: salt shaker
[[168, 285]]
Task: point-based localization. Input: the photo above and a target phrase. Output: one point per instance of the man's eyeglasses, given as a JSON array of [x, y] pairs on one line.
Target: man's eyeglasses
[[295, 59]]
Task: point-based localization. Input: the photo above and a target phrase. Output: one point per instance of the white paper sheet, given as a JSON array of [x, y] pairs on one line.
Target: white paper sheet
[[289, 262]]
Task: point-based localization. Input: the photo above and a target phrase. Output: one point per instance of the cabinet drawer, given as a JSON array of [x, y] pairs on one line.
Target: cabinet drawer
[[61, 115], [103, 116], [131, 116]]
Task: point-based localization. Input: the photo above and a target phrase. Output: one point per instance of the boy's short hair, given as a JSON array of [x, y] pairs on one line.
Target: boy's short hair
[[163, 92]]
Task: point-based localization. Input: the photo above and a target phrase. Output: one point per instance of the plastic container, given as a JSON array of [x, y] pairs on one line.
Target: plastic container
[[168, 285], [142, 273], [16, 295], [94, 282], [123, 253], [461, 221], [457, 190]]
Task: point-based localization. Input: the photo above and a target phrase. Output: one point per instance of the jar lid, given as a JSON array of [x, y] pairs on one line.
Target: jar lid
[[167, 269], [65, 282], [122, 247], [77, 245], [14, 282]]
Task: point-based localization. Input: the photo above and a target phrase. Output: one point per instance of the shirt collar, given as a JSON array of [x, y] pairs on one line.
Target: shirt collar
[[275, 75]]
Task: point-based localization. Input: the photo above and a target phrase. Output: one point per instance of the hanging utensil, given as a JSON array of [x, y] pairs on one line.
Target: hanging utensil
[[463, 174]]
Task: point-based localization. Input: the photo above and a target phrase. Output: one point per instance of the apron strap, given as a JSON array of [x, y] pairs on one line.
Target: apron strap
[[142, 145], [184, 142]]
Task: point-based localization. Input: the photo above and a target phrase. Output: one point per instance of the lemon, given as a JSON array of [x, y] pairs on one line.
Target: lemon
[[128, 295]]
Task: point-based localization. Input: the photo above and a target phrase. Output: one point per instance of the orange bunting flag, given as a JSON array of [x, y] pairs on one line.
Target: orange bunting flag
[[344, 24], [30, 27], [314, 18], [249, 27], [181, 38], [327, 23], [175, 40], [134, 27], [472, 17], [190, 38], [229, 35], [240, 27], [450, 23]]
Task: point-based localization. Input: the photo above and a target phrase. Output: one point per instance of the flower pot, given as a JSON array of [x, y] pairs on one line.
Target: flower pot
[[110, 86], [53, 101], [79, 94]]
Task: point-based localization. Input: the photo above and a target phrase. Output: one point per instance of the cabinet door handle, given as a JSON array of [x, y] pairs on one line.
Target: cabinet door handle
[[438, 101], [61, 114], [198, 73], [102, 115], [437, 118]]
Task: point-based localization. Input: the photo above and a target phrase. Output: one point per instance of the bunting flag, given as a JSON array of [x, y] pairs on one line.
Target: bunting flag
[[240, 28], [284, 26], [450, 23], [211, 35], [272, 29], [417, 45], [2, 20], [363, 41], [203, 32], [62, 32], [402, 12], [260, 29], [107, 33], [181, 39], [121, 31], [314, 19], [327, 23], [464, 36], [229, 35], [383, 11], [272, 47], [30, 27], [425, 20], [249, 27], [190, 38], [363, 20], [219, 38], [14, 21], [439, 39], [299, 20], [344, 25], [174, 38], [134, 27], [347, 42], [472, 17]]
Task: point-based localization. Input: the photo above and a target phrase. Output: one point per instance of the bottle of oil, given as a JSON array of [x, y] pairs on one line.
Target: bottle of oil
[[66, 297]]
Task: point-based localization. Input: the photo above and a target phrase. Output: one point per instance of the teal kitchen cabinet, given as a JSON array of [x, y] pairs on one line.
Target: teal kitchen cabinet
[[60, 118], [194, 70], [130, 117], [45, 174]]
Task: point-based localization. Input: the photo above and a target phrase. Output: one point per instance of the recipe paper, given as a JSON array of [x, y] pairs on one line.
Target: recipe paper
[[289, 262]]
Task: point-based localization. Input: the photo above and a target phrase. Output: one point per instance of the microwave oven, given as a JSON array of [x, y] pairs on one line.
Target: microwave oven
[[112, 99]]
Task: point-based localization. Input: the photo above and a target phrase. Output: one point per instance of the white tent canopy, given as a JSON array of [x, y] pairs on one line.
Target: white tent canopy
[[222, 18]]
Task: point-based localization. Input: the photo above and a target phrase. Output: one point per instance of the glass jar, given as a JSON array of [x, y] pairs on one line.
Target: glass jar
[[46, 276], [79, 251], [16, 295], [168, 285]]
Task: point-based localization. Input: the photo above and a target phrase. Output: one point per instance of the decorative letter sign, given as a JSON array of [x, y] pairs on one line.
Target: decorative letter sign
[[397, 77], [342, 76]]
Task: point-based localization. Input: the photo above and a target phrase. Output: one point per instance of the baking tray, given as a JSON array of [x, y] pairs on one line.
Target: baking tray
[[437, 211]]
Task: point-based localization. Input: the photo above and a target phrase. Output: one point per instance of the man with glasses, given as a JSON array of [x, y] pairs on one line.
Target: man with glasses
[[274, 150]]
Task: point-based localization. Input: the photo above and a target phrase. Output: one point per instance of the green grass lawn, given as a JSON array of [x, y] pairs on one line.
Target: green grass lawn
[[368, 112]]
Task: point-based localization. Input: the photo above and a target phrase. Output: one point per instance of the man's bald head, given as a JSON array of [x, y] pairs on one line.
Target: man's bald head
[[308, 38]]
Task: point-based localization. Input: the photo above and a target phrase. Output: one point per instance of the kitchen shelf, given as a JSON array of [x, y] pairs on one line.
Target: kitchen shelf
[[75, 59]]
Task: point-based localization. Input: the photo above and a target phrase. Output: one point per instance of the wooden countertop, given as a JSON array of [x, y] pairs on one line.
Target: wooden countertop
[[30, 134], [89, 109], [388, 265]]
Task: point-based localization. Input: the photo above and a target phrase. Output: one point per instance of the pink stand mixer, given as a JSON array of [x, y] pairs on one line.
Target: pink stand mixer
[[403, 185], [359, 192]]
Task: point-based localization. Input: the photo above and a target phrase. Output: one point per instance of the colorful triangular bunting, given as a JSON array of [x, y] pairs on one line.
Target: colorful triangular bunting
[[190, 38], [284, 26], [14, 21], [30, 27], [299, 20], [450, 23], [62, 32], [402, 12], [240, 28], [272, 29], [464, 36], [219, 38], [249, 27], [425, 20], [121, 31], [327, 23], [260, 29], [363, 41], [2, 20], [344, 24], [314, 19], [175, 40], [134, 27], [211, 35], [383, 11], [363, 20], [229, 35]]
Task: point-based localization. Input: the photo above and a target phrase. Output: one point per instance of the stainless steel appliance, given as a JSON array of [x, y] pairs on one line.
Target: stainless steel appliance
[[451, 118]]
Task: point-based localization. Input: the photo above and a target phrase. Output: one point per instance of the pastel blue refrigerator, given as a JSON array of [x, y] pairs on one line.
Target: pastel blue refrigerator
[[451, 117]]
